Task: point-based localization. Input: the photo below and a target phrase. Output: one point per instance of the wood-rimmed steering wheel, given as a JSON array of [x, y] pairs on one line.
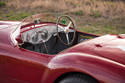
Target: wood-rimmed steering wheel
[[67, 25]]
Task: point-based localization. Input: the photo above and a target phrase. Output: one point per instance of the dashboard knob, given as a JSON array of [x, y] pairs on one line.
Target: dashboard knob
[[44, 34]]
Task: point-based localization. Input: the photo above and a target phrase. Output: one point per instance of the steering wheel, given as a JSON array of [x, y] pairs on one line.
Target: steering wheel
[[66, 28]]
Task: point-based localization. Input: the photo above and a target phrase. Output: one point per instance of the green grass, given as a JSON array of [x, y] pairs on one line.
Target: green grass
[[78, 13], [95, 14], [2, 3], [103, 29], [14, 16], [114, 26]]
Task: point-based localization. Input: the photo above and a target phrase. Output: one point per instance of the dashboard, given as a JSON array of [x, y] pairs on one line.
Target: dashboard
[[40, 34], [43, 39]]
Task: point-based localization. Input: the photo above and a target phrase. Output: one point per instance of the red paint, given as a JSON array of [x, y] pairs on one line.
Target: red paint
[[106, 63]]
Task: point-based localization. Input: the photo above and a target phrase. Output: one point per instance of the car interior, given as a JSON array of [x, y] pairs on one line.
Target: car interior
[[51, 38]]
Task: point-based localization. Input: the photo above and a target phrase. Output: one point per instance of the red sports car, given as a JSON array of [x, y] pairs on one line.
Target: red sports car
[[33, 51]]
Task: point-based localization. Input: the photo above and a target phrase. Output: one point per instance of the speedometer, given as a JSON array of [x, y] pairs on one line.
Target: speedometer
[[44, 34], [35, 37]]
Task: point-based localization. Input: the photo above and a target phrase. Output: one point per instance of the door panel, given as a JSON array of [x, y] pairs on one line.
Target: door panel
[[23, 71], [2, 69], [21, 66]]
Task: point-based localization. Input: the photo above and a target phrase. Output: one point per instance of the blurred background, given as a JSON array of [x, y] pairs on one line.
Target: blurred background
[[92, 16]]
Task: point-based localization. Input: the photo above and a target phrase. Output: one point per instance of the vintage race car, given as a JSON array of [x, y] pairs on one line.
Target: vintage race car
[[33, 51]]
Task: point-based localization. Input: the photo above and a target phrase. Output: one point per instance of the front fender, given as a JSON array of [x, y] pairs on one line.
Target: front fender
[[102, 69]]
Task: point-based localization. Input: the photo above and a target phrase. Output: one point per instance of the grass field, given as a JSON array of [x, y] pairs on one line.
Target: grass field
[[93, 16]]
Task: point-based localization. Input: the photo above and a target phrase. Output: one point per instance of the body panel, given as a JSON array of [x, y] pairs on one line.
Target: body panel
[[26, 67], [107, 46], [104, 70], [103, 58]]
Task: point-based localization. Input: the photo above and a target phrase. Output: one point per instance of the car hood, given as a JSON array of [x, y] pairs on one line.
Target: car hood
[[108, 46]]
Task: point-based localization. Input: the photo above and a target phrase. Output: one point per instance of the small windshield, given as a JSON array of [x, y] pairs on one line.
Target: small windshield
[[39, 18]]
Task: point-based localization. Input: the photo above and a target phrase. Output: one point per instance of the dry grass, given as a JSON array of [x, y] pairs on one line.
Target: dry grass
[[93, 16], [87, 6]]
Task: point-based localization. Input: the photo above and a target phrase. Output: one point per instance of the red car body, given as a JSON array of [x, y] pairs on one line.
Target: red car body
[[102, 58]]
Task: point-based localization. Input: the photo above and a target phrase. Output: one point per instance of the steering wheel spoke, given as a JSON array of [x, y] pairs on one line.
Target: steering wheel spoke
[[67, 37], [67, 27], [61, 27]]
